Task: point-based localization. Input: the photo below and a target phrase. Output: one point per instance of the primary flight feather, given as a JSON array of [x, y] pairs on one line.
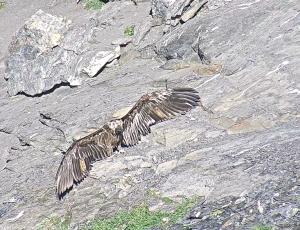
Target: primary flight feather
[[150, 109]]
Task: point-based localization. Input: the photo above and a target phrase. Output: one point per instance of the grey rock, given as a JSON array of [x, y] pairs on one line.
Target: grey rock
[[250, 125], [180, 42], [122, 41], [7, 141], [169, 9], [172, 12], [274, 211], [142, 30], [188, 184], [166, 167], [174, 137], [146, 165], [99, 60], [47, 53], [213, 134], [108, 169], [192, 11], [193, 156]]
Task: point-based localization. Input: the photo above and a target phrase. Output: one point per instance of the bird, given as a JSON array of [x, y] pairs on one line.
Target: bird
[[125, 131], [134, 1]]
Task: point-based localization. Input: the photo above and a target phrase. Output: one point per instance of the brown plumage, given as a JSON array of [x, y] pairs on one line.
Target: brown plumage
[[150, 109]]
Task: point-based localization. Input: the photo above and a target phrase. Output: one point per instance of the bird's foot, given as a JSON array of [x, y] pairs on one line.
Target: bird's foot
[[120, 151]]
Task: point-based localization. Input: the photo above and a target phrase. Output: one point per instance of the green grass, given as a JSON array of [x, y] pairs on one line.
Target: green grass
[[55, 223], [262, 227], [129, 31], [182, 209], [94, 4], [141, 218], [2, 5]]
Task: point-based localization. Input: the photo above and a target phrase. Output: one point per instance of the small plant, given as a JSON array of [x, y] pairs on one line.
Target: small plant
[[94, 4], [2, 5], [129, 31]]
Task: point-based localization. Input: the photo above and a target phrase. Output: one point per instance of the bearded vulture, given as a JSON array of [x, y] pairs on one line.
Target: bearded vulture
[[150, 109]]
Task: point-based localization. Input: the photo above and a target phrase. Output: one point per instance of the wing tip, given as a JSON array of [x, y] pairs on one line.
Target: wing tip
[[185, 89], [65, 185], [61, 194]]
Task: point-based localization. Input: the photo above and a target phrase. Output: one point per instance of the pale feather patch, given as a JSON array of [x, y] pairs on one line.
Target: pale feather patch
[[82, 165]]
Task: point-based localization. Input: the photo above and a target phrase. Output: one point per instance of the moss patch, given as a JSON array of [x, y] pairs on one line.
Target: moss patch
[[2, 5], [129, 31]]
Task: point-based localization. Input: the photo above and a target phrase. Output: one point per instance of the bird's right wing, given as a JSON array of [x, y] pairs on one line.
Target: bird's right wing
[[77, 161], [156, 107]]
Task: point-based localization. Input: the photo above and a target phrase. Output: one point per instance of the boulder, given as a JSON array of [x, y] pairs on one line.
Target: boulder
[[182, 43], [47, 52], [174, 11], [36, 63], [169, 10]]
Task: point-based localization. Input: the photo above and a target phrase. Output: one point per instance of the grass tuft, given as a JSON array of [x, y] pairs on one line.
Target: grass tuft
[[94, 4], [141, 218]]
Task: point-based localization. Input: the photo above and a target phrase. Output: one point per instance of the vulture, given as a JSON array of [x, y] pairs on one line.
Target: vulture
[[150, 109]]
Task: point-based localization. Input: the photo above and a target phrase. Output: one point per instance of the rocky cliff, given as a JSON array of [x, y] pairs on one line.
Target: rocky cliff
[[66, 70]]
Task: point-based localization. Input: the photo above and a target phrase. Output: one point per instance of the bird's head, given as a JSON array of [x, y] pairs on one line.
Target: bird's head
[[116, 125]]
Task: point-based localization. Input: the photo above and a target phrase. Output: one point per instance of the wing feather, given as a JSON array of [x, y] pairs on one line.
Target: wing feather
[[77, 163], [154, 108]]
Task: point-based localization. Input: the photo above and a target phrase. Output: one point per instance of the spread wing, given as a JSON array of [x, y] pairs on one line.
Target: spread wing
[[156, 107], [77, 161]]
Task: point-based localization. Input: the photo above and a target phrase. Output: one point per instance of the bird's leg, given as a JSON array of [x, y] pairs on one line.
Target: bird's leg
[[120, 150]]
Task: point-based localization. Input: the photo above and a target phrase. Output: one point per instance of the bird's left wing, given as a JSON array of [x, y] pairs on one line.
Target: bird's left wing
[[156, 107], [77, 163]]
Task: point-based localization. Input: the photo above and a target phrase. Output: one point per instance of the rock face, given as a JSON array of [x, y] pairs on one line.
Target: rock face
[[172, 11], [243, 157], [182, 42]]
